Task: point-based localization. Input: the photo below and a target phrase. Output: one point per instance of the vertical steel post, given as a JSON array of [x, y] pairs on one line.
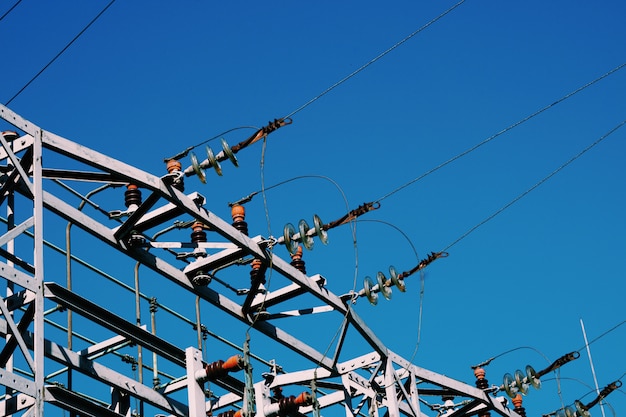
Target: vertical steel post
[[39, 274], [390, 389], [195, 390]]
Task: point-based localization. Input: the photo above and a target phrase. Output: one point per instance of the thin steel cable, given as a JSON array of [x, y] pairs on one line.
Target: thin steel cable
[[601, 336], [10, 10], [60, 53], [355, 72], [506, 129], [546, 178]]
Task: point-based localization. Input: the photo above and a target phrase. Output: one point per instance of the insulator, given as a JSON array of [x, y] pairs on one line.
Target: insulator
[[382, 287], [319, 229], [368, 284], [172, 165], [196, 168], [297, 262], [510, 387], [229, 153], [287, 405], [10, 135], [303, 228], [132, 196], [566, 412], [581, 410], [288, 232], [517, 402], [521, 384], [481, 382], [212, 161], [531, 377], [238, 213], [257, 273], [396, 280], [220, 368], [198, 235]]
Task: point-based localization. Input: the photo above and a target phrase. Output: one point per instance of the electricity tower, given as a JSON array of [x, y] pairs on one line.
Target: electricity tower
[[69, 349]]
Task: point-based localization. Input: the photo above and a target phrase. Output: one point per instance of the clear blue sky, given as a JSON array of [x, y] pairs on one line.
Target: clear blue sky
[[149, 79]]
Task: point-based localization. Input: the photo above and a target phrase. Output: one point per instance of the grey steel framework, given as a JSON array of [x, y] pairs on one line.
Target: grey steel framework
[[35, 355]]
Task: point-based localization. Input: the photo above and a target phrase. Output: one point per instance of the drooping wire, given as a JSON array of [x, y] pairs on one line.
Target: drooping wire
[[61, 52], [506, 129], [358, 70], [525, 193], [10, 10], [422, 284], [267, 215]]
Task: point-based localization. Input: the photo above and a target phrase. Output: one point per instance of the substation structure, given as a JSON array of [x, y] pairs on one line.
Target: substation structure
[[40, 363]]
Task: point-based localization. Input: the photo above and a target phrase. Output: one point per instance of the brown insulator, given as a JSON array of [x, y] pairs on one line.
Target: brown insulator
[[291, 403], [257, 274], [278, 393], [517, 402], [238, 213], [297, 262], [132, 195], [221, 368], [198, 234], [173, 165], [481, 383]]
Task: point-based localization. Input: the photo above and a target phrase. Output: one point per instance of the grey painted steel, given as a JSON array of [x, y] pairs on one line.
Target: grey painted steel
[[379, 382]]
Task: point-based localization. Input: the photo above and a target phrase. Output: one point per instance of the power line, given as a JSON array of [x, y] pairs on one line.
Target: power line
[[60, 53], [546, 178], [506, 129], [346, 78], [10, 10]]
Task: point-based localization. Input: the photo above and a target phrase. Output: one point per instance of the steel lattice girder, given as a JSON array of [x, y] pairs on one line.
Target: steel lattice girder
[[392, 382]]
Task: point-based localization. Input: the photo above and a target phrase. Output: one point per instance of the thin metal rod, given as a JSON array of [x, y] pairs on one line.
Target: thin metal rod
[[593, 371]]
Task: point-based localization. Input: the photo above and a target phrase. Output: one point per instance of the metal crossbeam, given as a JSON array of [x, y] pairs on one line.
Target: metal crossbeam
[[379, 382]]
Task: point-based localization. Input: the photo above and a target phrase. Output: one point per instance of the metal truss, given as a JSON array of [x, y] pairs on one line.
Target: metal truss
[[34, 355]]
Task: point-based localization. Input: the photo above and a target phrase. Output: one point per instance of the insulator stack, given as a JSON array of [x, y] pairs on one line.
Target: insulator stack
[[198, 234], [238, 213], [481, 383], [257, 279], [132, 197], [257, 274], [219, 369], [517, 402], [290, 237], [289, 404], [173, 166], [297, 262]]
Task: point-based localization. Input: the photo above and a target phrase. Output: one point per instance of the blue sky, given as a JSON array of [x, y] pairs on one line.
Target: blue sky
[[149, 79]]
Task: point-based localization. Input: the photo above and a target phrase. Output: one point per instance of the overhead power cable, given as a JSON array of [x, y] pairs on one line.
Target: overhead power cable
[[546, 178], [10, 10], [506, 129], [60, 53], [355, 72]]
